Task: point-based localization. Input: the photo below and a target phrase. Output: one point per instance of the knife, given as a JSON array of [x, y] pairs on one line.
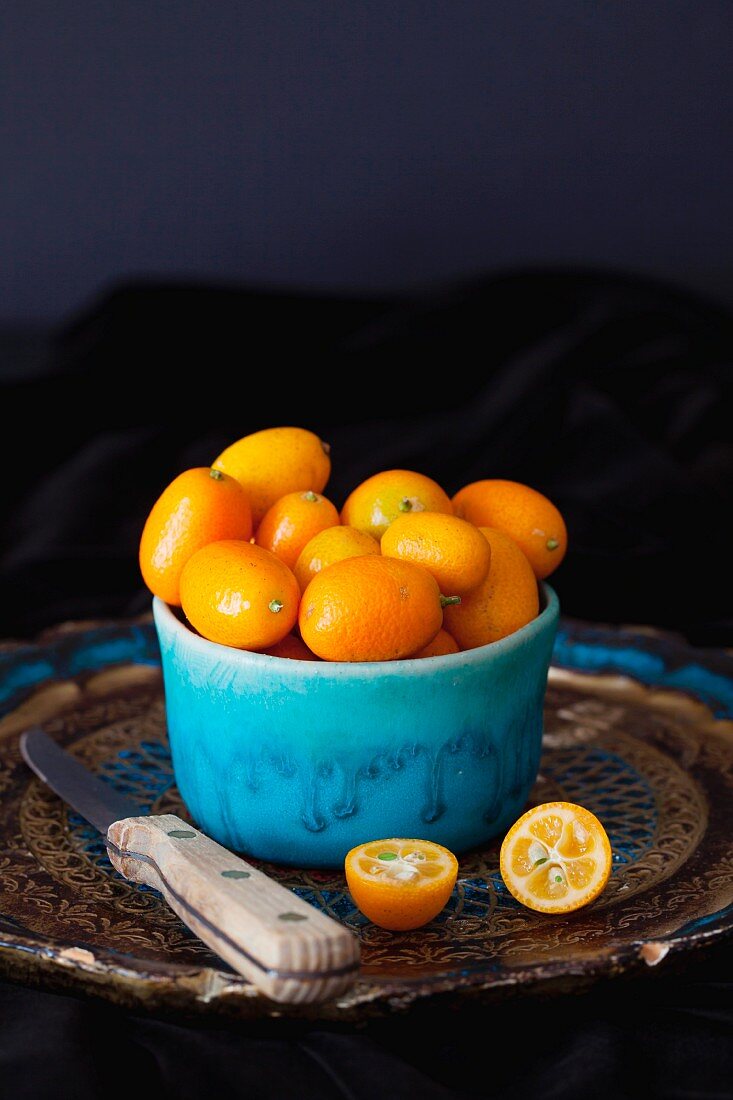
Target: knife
[[288, 949]]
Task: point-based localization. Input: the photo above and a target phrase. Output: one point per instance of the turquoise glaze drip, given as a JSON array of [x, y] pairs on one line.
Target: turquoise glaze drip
[[299, 761]]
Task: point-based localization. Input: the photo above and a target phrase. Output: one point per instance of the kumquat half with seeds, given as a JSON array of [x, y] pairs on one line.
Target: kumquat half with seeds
[[400, 884], [556, 858]]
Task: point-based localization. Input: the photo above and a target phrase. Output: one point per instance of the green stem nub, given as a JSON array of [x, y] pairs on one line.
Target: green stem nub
[[449, 601], [275, 606], [216, 474], [405, 505], [552, 544], [310, 496]]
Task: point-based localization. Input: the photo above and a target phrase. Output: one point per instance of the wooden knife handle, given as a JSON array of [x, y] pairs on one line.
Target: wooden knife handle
[[287, 948]]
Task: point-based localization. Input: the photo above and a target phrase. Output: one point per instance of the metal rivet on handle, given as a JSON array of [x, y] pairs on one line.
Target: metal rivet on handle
[[182, 834], [235, 874], [292, 916]]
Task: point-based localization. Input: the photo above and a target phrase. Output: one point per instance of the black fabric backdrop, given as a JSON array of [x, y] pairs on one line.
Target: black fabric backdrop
[[612, 395]]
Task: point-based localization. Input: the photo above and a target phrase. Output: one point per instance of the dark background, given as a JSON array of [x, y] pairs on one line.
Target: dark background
[[362, 146], [307, 208]]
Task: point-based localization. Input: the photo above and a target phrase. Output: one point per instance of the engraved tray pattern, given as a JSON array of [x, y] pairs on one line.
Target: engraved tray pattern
[[637, 728]]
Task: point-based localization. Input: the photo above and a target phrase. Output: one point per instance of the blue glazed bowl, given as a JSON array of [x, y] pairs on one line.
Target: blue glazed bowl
[[298, 761]]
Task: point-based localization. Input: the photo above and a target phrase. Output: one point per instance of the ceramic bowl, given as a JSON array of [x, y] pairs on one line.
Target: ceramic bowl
[[298, 761]]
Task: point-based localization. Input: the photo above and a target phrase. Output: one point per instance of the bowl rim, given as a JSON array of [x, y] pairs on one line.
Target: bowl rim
[[357, 670]]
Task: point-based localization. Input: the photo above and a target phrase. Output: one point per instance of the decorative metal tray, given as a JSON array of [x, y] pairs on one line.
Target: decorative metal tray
[[638, 729]]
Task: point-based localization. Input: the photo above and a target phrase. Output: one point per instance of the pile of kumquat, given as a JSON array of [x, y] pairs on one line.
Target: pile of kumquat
[[259, 559]]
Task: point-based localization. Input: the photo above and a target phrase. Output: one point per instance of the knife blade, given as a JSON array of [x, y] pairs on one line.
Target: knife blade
[[289, 949], [95, 800]]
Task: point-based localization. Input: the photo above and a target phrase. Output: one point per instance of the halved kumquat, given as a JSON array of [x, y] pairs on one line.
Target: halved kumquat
[[400, 884], [556, 858]]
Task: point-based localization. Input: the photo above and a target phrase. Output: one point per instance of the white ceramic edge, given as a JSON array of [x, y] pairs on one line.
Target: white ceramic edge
[[357, 670]]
